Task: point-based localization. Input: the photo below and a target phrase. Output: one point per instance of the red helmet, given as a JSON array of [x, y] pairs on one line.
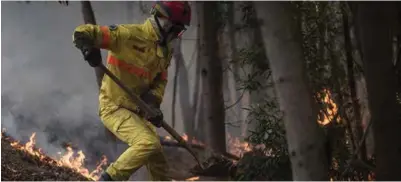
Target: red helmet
[[178, 12]]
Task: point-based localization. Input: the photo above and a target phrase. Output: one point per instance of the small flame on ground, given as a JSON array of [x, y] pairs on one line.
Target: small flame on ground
[[235, 145], [192, 178], [238, 147], [67, 160], [186, 138]]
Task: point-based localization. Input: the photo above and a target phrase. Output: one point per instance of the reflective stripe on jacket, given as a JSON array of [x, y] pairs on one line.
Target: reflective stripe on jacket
[[134, 57]]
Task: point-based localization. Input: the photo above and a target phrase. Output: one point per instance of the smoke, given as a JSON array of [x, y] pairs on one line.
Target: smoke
[[47, 88]]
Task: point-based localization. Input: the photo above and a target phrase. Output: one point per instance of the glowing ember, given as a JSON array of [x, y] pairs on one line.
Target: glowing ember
[[167, 138], [238, 147], [192, 178], [235, 145], [185, 137], [331, 111], [70, 159]]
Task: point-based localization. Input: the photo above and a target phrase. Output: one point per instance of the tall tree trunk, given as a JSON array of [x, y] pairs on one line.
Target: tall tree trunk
[[197, 101], [262, 60], [184, 97], [282, 35], [375, 21], [212, 79], [89, 18], [230, 74], [175, 84], [357, 119]]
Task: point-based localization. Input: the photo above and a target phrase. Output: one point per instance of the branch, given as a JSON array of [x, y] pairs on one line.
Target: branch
[[236, 102], [65, 3], [354, 161], [351, 80], [171, 143], [175, 85]]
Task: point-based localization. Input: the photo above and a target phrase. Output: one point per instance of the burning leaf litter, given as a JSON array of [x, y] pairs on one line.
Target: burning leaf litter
[[192, 178], [235, 145], [75, 160], [70, 159]]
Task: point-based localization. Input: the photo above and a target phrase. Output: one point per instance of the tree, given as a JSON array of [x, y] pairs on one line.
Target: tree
[[357, 123], [181, 79], [283, 45], [212, 78], [89, 18], [375, 21], [197, 101]]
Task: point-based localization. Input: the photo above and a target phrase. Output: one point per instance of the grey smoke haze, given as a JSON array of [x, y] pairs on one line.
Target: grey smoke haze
[[47, 88]]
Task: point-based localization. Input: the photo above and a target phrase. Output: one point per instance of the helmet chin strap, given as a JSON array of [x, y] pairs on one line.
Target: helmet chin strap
[[164, 34]]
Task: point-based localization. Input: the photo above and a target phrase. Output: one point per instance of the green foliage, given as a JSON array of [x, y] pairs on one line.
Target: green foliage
[[270, 160], [323, 48], [270, 130], [257, 166], [254, 59]]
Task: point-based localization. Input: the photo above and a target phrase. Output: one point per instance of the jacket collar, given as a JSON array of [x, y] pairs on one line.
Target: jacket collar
[[153, 36]]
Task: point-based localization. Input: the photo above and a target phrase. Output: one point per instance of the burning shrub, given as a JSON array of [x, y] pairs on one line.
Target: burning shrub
[[269, 160]]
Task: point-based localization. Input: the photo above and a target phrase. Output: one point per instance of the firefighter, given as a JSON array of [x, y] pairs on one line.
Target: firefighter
[[139, 55]]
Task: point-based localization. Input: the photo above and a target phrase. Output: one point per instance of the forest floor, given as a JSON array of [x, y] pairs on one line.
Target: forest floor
[[19, 165], [22, 165]]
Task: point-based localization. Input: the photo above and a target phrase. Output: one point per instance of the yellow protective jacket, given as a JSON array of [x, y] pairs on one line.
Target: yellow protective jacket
[[134, 57]]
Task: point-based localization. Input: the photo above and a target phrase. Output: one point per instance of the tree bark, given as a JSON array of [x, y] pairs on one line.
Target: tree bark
[[234, 96], [89, 18], [283, 45], [175, 84], [212, 79], [357, 119], [375, 21], [197, 104], [183, 91]]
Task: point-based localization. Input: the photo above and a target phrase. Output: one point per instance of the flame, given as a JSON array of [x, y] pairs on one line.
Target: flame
[[192, 178], [186, 138], [331, 111], [235, 145], [69, 159], [167, 138], [238, 147]]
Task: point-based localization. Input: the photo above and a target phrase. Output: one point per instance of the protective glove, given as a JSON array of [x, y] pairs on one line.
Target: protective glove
[[91, 55], [156, 120], [154, 103], [85, 44]]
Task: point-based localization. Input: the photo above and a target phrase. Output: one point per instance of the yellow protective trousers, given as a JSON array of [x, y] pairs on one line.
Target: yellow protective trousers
[[144, 146], [141, 64]]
